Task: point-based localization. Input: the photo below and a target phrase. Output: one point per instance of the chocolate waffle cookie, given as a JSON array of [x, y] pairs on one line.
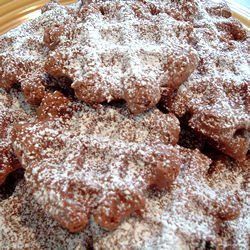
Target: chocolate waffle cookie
[[74, 175], [23, 53], [107, 143], [193, 215], [122, 50], [216, 96]]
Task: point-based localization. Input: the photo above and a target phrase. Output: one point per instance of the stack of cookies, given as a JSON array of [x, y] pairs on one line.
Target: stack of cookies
[[125, 125]]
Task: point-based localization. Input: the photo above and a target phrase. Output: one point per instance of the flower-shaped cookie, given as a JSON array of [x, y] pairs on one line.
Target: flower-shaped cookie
[[73, 175], [216, 96], [122, 50]]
